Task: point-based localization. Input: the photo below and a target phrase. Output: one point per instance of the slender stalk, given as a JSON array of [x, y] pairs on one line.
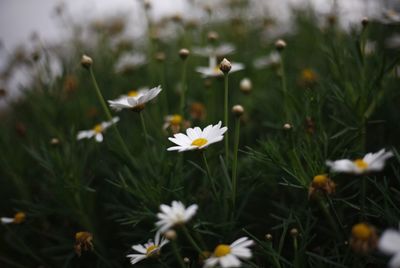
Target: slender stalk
[[296, 253], [191, 240], [362, 196], [284, 89], [183, 88], [328, 216], [235, 160], [203, 154], [226, 120], [178, 254], [109, 117], [146, 137]]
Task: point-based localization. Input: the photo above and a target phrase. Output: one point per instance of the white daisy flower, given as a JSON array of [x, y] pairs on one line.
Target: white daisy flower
[[370, 162], [148, 250], [129, 61], [213, 68], [219, 51], [174, 215], [389, 243], [135, 101], [230, 255], [273, 59], [18, 218], [196, 138], [97, 130]]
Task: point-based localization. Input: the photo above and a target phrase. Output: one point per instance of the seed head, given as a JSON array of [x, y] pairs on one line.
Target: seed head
[[238, 110], [184, 53], [280, 45], [86, 61], [225, 66]]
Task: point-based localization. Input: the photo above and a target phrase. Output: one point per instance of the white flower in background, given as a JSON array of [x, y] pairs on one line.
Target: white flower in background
[[390, 16], [213, 69], [97, 130], [393, 41], [211, 51], [229, 255], [148, 250], [389, 243], [370, 47], [370, 162], [18, 218], [135, 100], [174, 215], [196, 138], [273, 59], [129, 61]]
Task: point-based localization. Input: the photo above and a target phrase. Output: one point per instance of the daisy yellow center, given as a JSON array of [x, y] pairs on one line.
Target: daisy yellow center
[[320, 179], [133, 93], [176, 119], [98, 128], [361, 231], [308, 75], [19, 217], [222, 250], [361, 164], [216, 69], [150, 250], [199, 142]]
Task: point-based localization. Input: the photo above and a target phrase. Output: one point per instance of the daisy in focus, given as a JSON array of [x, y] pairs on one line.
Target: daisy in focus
[[174, 215], [370, 162], [135, 100], [148, 250], [196, 138], [230, 255], [18, 218], [389, 243], [97, 130]]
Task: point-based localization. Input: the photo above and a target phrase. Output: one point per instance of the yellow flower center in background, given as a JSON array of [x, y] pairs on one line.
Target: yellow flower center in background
[[361, 231], [133, 93], [216, 70], [199, 142], [19, 217], [222, 250], [176, 119], [361, 164], [320, 179], [98, 128], [151, 250], [309, 75]]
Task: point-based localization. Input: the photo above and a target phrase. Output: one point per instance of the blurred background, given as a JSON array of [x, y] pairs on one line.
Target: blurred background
[[24, 24]]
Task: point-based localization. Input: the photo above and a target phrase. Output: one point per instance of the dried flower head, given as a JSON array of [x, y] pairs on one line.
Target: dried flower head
[[197, 111], [363, 238], [83, 242], [321, 184]]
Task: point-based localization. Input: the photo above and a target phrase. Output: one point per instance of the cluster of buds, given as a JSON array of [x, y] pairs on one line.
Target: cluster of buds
[[321, 184], [363, 238]]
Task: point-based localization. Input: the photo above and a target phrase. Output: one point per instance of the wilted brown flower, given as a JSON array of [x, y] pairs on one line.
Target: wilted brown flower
[[197, 111], [321, 184], [363, 238], [83, 242]]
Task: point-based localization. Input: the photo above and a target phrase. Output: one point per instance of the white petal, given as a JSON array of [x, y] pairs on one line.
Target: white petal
[[210, 262], [135, 258], [395, 261], [389, 242], [6, 220], [139, 248], [229, 261], [343, 165], [99, 137]]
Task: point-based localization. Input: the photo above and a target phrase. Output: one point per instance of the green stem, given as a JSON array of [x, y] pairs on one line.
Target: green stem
[[210, 178], [191, 240], [183, 88], [235, 160], [177, 254], [296, 253], [328, 216], [109, 117], [284, 89], [362, 197], [146, 137], [226, 120]]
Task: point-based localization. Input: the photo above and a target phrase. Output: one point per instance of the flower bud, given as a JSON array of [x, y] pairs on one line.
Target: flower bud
[[268, 237], [170, 235], [294, 232], [225, 66], [160, 56], [365, 22], [54, 141], [212, 36], [186, 260], [184, 53], [86, 61], [287, 126], [280, 45], [246, 85], [238, 110]]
